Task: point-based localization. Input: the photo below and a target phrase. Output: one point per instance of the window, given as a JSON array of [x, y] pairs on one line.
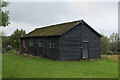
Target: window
[[23, 44], [52, 44], [30, 43], [40, 44]]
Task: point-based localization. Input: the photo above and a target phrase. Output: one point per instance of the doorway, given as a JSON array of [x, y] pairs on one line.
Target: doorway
[[85, 51]]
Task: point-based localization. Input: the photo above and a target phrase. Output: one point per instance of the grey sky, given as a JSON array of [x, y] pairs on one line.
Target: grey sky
[[102, 16]]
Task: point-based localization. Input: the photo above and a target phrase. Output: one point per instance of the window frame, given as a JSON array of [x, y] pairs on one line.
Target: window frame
[[40, 43], [31, 43], [52, 45]]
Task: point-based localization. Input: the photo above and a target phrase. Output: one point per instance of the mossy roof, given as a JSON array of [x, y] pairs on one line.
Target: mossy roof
[[52, 30], [56, 30]]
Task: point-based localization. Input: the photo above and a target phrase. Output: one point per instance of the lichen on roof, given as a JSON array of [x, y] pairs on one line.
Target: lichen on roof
[[52, 30]]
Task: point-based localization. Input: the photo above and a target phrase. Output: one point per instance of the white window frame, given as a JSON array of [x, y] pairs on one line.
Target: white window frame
[[52, 44]]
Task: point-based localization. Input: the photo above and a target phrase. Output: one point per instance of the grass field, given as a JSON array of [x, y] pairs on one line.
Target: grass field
[[15, 66]]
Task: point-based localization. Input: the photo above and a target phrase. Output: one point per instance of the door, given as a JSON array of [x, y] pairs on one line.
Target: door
[[85, 50]]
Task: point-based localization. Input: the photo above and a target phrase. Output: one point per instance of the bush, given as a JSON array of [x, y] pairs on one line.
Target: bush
[[115, 52], [109, 53], [118, 53], [112, 53], [12, 51], [4, 50]]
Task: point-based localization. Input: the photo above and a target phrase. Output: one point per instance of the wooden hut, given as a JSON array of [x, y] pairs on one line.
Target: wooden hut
[[67, 41]]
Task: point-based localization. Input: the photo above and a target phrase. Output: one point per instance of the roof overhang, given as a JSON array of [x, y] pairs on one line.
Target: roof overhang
[[40, 36]]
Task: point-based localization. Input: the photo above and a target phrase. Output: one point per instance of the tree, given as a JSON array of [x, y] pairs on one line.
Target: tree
[[5, 41], [114, 42], [15, 38], [4, 15], [1, 34], [104, 44], [118, 42]]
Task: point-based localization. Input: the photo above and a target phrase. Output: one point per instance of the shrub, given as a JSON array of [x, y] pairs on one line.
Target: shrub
[[115, 52], [118, 53], [12, 51], [112, 53], [4, 50]]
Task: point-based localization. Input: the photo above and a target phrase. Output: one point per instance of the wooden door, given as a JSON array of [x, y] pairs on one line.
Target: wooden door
[[85, 50]]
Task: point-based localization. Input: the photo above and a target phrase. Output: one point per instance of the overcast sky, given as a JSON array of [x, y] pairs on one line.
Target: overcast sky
[[102, 16]]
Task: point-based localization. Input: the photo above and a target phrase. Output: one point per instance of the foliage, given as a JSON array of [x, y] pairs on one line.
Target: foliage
[[119, 45], [6, 44], [4, 4], [4, 15], [5, 41], [0, 44], [104, 44], [22, 66], [112, 53], [5, 18], [110, 45], [12, 51], [15, 38], [114, 42]]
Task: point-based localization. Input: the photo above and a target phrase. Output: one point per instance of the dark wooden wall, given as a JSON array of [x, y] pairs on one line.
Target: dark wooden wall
[[40, 51], [28, 49], [45, 50], [70, 44], [52, 53], [93, 41]]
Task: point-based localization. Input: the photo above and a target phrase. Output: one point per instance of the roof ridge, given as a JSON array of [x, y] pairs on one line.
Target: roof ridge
[[59, 24]]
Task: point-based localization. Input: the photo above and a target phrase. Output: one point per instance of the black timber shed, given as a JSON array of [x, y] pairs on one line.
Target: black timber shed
[[67, 41]]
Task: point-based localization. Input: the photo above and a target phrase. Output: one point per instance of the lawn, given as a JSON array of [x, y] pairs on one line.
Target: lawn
[[15, 66]]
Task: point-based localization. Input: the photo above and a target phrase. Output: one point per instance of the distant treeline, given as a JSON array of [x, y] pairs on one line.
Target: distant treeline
[[110, 44], [12, 41]]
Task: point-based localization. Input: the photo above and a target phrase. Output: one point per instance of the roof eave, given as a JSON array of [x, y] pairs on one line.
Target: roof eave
[[40, 36]]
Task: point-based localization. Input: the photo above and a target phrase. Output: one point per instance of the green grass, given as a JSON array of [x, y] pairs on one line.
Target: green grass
[[29, 67]]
